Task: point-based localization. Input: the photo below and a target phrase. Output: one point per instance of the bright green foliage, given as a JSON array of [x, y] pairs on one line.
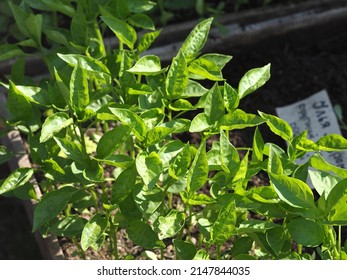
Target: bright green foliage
[[107, 136]]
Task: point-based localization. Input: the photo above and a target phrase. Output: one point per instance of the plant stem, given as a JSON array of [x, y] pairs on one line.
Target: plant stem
[[339, 240]]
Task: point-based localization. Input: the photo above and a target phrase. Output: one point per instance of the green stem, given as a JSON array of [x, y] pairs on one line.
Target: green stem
[[339, 240], [299, 249], [83, 141], [113, 240]]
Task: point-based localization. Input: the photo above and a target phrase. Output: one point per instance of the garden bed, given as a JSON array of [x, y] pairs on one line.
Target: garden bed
[[302, 63]]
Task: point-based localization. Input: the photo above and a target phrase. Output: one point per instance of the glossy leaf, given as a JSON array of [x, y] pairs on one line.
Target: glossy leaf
[[181, 163], [149, 167], [336, 204], [79, 91], [224, 226], [293, 191], [111, 140], [198, 171], [231, 98], [16, 179], [148, 201], [170, 224], [253, 80], [72, 150], [93, 231], [196, 40], [50, 205], [199, 123], [238, 119], [278, 126], [124, 32], [177, 77], [332, 142], [147, 65], [169, 152], [317, 161], [69, 226], [54, 124], [323, 182], [205, 69], [258, 146], [229, 156], [147, 40], [214, 105], [218, 59], [142, 21]]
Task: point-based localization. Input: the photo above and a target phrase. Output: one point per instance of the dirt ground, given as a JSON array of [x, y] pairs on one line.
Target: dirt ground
[[302, 63]]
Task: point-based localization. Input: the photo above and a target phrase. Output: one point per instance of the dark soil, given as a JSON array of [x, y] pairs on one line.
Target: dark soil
[[302, 63]]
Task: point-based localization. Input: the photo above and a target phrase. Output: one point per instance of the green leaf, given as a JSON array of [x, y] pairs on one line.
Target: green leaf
[[218, 59], [198, 172], [181, 163], [317, 161], [201, 255], [35, 95], [196, 40], [124, 32], [18, 104], [274, 162], [184, 250], [129, 118], [50, 205], [293, 191], [123, 185], [251, 226], [332, 142], [16, 179], [146, 41], [70, 226], [93, 231], [111, 140], [5, 154], [29, 24], [54, 124], [336, 204], [147, 65], [224, 226], [140, 6], [72, 150], [149, 167], [231, 98], [194, 199], [238, 119], [181, 105], [306, 232], [168, 152], [322, 181], [79, 91], [194, 89], [205, 69], [90, 65], [142, 234], [253, 80], [229, 156], [241, 246], [156, 135], [177, 77], [148, 201], [278, 126], [8, 51], [258, 146], [275, 237], [142, 21], [214, 105], [199, 123], [79, 27], [169, 225]]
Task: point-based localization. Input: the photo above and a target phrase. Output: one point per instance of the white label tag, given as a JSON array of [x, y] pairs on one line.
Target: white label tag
[[316, 115]]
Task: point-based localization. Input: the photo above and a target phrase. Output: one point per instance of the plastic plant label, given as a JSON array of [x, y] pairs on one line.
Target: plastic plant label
[[316, 115]]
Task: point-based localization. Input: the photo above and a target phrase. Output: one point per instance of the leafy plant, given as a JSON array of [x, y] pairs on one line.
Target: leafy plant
[[106, 134]]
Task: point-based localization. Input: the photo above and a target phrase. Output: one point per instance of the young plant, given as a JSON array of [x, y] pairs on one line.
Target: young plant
[[107, 137]]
